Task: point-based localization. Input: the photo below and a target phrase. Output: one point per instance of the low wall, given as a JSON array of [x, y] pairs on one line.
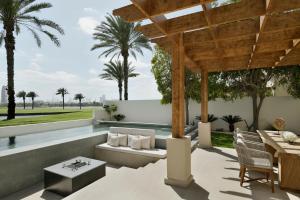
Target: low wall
[[151, 111], [23, 167], [9, 131]]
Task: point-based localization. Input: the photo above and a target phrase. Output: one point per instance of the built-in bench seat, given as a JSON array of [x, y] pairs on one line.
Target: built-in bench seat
[[127, 156], [156, 153]]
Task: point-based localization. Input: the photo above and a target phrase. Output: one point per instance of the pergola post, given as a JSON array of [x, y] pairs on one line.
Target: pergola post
[[179, 146], [204, 127]]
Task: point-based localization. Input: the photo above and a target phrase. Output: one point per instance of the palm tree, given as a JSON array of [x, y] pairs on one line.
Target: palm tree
[[15, 14], [22, 94], [231, 120], [32, 95], [120, 38], [114, 71], [79, 97], [62, 92]]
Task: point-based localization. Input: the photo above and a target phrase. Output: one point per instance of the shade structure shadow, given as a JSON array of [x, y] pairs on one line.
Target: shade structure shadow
[[192, 192], [219, 151]]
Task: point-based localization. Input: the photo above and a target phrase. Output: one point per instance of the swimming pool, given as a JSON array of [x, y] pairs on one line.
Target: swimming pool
[[43, 137]]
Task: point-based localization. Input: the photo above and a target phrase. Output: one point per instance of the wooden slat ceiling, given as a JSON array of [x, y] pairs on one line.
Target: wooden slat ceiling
[[244, 35]]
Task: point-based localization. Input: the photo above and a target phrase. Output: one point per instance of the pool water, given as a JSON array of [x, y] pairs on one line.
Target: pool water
[[39, 138]]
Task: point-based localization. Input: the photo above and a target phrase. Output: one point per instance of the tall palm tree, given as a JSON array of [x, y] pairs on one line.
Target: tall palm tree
[[115, 71], [22, 94], [62, 92], [32, 95], [79, 97], [120, 38], [15, 14]]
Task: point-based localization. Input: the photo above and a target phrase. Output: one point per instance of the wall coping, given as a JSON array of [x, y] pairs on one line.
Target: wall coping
[[48, 144], [9, 131]]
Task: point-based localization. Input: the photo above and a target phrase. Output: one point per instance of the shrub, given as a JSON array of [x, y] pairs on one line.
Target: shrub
[[119, 117], [211, 118], [231, 120]]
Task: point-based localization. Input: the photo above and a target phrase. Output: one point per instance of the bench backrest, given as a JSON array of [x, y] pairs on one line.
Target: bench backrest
[[135, 131]]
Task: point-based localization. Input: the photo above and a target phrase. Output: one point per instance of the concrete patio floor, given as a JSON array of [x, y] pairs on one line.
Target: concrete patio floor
[[215, 171]]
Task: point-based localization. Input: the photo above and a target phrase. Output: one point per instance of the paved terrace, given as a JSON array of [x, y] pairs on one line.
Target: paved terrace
[[216, 177]]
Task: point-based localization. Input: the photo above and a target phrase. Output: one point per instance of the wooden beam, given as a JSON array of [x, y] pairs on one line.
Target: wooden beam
[[214, 54], [155, 8], [234, 30], [263, 21], [288, 52], [204, 96], [178, 76], [224, 14], [159, 22], [284, 5]]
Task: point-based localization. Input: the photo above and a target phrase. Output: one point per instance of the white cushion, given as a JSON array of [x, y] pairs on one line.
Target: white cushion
[[145, 142], [109, 136], [114, 141], [136, 143], [122, 140], [155, 153], [130, 137]]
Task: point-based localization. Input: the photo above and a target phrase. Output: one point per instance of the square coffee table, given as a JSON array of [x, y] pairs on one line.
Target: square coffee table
[[70, 176]]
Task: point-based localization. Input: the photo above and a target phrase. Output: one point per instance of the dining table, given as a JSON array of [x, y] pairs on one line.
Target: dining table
[[288, 158]]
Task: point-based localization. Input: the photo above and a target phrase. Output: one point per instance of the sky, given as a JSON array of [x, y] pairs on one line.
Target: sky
[[73, 65]]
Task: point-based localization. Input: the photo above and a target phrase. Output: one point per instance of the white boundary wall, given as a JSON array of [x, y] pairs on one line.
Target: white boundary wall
[[151, 111]]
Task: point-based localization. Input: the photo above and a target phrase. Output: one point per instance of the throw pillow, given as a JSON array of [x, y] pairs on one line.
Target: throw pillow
[[130, 137], [136, 143], [109, 136], [145, 142], [122, 139], [114, 141]]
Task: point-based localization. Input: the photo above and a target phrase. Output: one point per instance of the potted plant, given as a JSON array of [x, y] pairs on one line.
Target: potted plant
[[110, 109], [231, 120]]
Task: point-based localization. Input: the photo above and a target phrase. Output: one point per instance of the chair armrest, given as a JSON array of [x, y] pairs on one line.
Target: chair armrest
[[251, 137], [260, 154], [254, 145]]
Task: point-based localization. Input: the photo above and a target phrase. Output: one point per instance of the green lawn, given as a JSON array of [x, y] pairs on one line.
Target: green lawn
[[222, 140], [73, 115], [39, 110]]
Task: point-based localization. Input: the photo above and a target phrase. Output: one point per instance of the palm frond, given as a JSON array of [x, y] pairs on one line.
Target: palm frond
[[52, 37], [36, 37], [35, 8], [1, 38]]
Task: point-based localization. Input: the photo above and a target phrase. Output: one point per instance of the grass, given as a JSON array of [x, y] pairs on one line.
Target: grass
[[74, 115], [39, 110], [222, 140]]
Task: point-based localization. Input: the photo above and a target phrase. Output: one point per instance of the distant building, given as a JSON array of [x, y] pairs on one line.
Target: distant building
[[4, 98], [103, 100]]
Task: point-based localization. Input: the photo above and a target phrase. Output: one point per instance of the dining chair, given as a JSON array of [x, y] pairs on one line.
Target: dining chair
[[251, 159]]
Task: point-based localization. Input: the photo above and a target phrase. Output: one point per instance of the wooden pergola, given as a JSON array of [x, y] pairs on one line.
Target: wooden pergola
[[245, 35]]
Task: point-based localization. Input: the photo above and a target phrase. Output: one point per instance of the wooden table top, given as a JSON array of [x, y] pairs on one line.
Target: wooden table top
[[282, 146]]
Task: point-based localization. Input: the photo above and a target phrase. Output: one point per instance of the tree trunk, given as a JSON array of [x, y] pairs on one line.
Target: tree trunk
[[120, 90], [187, 112], [256, 107], [125, 56], [63, 102], [10, 47], [80, 104], [32, 106], [24, 103]]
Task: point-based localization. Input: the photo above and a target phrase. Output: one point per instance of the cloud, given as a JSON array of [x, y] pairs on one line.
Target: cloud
[[36, 61], [94, 71], [91, 10], [88, 24]]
